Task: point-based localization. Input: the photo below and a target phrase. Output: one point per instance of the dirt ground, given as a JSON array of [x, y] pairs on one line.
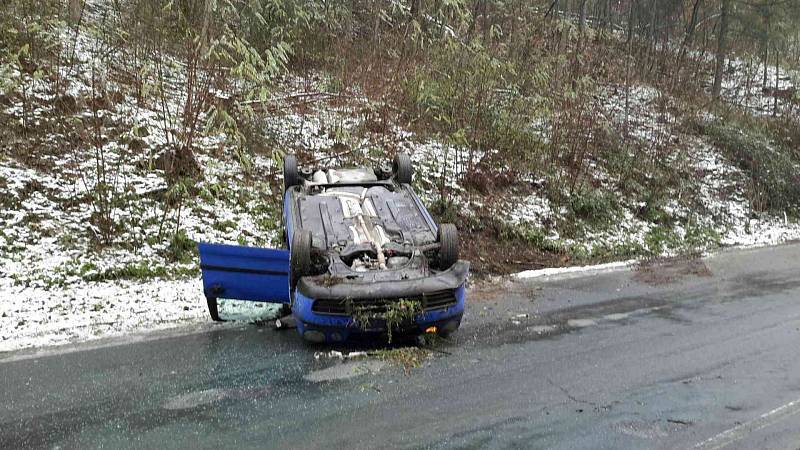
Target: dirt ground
[[660, 271], [491, 255]]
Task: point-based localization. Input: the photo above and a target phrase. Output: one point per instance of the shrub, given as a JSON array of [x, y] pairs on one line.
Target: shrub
[[181, 248], [594, 206], [773, 169]]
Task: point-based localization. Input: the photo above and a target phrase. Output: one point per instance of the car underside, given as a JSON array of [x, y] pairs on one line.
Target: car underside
[[359, 240]]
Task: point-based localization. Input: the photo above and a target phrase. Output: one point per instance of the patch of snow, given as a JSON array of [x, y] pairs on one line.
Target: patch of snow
[[38, 316], [566, 272], [634, 110], [533, 209], [722, 195], [744, 85], [627, 230]]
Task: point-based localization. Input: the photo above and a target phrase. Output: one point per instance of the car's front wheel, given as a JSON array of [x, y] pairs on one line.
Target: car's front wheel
[[447, 237], [300, 254]]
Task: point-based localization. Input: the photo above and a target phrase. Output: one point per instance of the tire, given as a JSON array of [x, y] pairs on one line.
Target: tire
[[402, 168], [300, 255], [384, 172], [291, 176], [447, 237], [213, 311]]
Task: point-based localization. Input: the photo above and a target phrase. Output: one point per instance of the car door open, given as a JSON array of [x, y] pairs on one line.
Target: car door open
[[245, 273]]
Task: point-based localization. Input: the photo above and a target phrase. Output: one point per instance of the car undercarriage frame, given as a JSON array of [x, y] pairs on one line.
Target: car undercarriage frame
[[352, 238]]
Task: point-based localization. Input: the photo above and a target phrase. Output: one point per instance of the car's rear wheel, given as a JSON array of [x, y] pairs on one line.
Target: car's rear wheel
[[291, 176], [402, 168], [300, 255], [447, 237]]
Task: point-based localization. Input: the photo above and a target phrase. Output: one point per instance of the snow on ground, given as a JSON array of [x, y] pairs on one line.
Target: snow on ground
[[723, 204], [39, 316], [58, 286], [634, 109], [533, 209], [47, 269], [723, 196], [565, 272], [743, 85]]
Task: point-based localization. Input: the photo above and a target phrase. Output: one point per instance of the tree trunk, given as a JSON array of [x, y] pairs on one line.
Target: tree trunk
[[487, 26], [473, 24], [75, 11], [208, 10], [553, 6], [766, 50], [414, 7], [582, 17], [628, 58], [653, 16], [687, 40], [722, 49], [632, 8], [777, 77]]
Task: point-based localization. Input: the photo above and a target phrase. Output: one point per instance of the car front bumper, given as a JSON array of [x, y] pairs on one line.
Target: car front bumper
[[318, 327]]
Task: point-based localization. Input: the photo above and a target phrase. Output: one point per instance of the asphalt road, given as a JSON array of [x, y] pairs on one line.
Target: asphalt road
[[695, 354]]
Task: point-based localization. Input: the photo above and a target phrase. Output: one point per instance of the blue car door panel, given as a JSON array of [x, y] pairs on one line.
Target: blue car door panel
[[245, 273]]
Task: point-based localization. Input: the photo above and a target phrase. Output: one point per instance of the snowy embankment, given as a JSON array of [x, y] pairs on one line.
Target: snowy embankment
[[64, 279], [46, 276], [64, 276], [60, 284], [719, 191]]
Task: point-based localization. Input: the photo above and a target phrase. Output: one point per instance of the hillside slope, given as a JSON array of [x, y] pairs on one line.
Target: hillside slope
[[100, 208]]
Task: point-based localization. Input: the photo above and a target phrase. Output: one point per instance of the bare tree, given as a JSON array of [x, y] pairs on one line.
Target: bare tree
[[582, 13], [722, 48], [75, 10]]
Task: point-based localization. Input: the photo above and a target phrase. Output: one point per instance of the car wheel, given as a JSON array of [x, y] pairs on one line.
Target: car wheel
[[448, 245], [300, 254], [402, 168], [384, 172], [291, 176]]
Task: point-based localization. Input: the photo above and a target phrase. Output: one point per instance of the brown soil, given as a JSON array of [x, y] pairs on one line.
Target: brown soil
[[178, 163], [493, 289], [490, 254], [660, 271]]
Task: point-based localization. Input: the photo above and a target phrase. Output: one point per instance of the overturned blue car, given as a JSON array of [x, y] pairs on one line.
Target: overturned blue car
[[362, 258]]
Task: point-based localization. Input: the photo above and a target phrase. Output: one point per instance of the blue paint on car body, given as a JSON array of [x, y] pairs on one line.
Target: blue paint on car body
[[262, 274]]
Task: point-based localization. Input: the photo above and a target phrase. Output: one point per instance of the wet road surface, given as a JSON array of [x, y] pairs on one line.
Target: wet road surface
[[693, 354]]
